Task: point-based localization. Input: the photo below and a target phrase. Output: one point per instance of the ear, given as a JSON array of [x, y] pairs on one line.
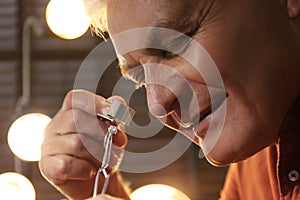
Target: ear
[[293, 7]]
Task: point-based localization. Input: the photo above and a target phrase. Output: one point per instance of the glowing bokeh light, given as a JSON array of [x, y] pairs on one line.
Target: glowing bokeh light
[[26, 134], [67, 18], [14, 186], [158, 192]]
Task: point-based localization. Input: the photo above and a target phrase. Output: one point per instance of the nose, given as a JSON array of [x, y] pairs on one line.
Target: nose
[[167, 90], [160, 100]]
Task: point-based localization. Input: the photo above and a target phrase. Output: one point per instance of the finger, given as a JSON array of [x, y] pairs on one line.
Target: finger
[[72, 145], [83, 147], [90, 125], [89, 102], [86, 101], [72, 121], [62, 123], [61, 168]]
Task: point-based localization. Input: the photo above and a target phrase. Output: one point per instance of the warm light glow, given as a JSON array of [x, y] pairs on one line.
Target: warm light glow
[[67, 18], [14, 186], [26, 135], [158, 192]]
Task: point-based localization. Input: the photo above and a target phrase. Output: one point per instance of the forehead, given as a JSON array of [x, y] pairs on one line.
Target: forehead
[[123, 15]]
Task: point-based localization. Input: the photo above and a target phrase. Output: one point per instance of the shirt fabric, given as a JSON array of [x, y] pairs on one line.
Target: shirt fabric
[[272, 173]]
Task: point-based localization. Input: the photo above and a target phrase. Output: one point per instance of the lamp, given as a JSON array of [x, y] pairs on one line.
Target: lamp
[[67, 18], [25, 135], [158, 192]]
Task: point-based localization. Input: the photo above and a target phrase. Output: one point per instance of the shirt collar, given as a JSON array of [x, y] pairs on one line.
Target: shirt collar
[[288, 164]]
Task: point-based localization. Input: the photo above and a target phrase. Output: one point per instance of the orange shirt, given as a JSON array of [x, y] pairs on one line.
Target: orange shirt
[[272, 173]]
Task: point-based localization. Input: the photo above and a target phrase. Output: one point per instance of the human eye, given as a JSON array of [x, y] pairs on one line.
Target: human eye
[[169, 50], [137, 75], [175, 48], [165, 54]]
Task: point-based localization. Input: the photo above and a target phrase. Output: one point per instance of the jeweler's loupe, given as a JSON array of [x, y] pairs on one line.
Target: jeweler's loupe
[[118, 113]]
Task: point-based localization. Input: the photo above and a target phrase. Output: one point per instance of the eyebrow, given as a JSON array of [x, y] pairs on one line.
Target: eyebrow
[[179, 21], [153, 39], [187, 27]]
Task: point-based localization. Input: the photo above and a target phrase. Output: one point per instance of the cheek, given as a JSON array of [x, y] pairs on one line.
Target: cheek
[[230, 43], [187, 70], [241, 136]]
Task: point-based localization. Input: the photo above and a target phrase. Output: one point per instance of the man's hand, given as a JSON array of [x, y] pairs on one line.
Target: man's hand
[[73, 147]]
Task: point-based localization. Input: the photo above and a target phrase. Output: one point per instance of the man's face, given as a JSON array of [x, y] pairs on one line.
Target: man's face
[[245, 45]]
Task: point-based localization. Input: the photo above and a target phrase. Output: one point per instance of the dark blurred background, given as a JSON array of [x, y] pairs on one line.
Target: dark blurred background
[[54, 64]]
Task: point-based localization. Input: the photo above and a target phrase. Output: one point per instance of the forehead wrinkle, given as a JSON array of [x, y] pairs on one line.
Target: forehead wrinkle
[[162, 15], [159, 13], [167, 22], [184, 22]]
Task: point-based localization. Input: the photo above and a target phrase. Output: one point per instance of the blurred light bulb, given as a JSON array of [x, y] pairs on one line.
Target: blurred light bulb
[[67, 18], [26, 134], [158, 192], [14, 186]]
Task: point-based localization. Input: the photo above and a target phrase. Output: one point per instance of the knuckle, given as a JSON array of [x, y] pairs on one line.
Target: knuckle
[[50, 173], [56, 170], [76, 143], [61, 168]]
